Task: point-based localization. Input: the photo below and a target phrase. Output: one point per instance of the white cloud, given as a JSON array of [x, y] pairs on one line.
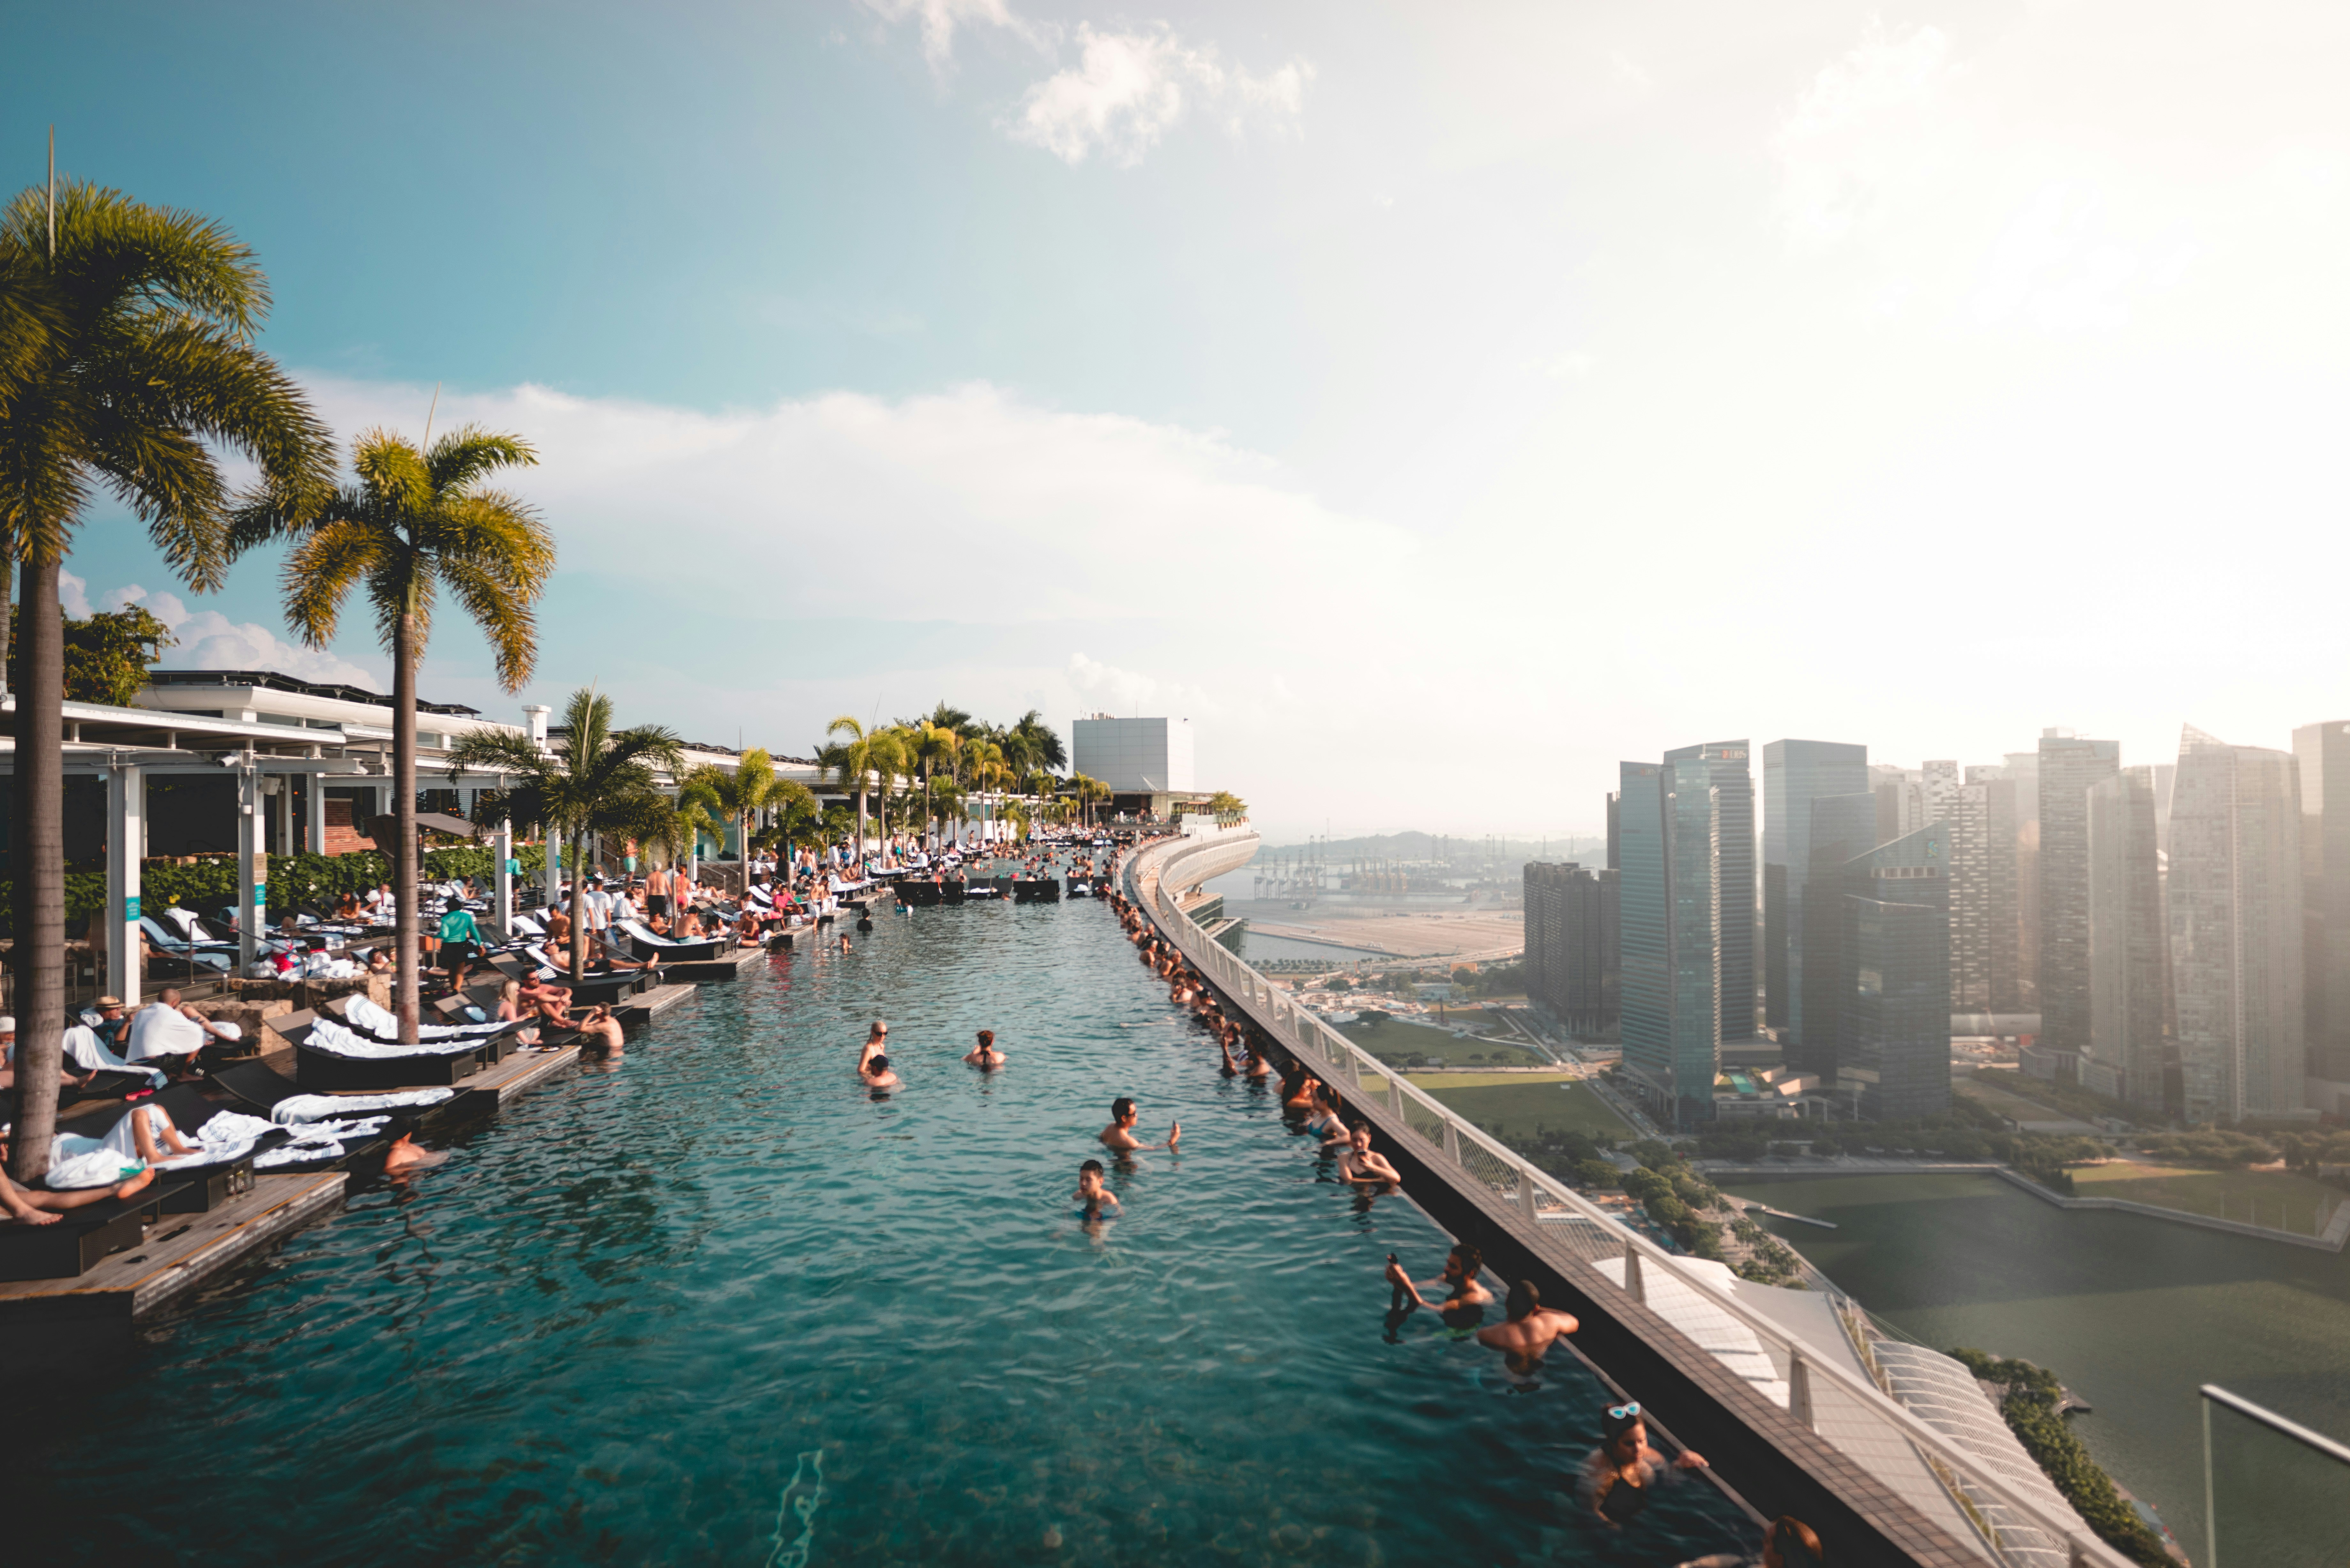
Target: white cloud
[[1127, 691], [940, 18], [1864, 135], [210, 640], [1128, 89]]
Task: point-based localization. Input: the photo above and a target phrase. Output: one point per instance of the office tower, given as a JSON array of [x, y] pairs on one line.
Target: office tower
[[1842, 827], [1900, 800], [1614, 800], [1794, 774], [1939, 784], [2002, 922], [2022, 769], [1726, 767], [2068, 768], [1670, 903], [1894, 1057], [2236, 929], [2323, 752], [2128, 939], [1572, 943], [1966, 812]]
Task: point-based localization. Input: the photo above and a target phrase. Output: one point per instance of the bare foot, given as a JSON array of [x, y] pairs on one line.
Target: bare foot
[[135, 1183], [40, 1216]]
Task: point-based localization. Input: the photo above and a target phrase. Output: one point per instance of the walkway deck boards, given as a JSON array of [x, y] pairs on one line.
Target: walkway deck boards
[[651, 1003]]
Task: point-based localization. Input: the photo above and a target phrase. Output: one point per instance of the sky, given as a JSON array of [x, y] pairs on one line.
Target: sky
[[1434, 404]]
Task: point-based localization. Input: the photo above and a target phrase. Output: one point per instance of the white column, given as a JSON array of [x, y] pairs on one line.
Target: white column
[[126, 844], [253, 893], [554, 877], [501, 852], [315, 809]]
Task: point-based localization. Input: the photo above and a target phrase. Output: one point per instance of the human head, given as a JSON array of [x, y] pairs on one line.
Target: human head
[[1524, 1299], [1122, 1110], [987, 1039], [107, 1006], [1792, 1545], [879, 1066], [1471, 1257], [877, 1031], [169, 996], [1621, 1427], [510, 991], [1361, 1136], [1090, 1167]]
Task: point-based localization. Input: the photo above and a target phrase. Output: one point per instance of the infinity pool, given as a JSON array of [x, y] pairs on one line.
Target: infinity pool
[[716, 1304]]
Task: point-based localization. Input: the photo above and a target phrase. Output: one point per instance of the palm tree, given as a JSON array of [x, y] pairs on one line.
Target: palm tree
[[600, 781], [984, 766], [1041, 741], [126, 361], [413, 521], [892, 760], [796, 815], [946, 804], [734, 798], [664, 830], [1227, 808], [852, 762]]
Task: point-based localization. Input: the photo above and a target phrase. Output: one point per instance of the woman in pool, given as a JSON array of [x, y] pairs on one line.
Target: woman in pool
[[984, 1055], [1620, 1476]]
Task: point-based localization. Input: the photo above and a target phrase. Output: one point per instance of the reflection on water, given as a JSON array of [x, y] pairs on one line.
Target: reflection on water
[[716, 1304], [2133, 1313]]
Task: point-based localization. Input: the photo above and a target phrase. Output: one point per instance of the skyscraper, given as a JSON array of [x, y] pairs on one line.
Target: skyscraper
[[2022, 770], [2068, 767], [1574, 945], [2002, 922], [1794, 774], [1843, 828], [1733, 779], [2129, 937], [1894, 1056], [2235, 897], [1966, 812], [1669, 831], [2323, 752]]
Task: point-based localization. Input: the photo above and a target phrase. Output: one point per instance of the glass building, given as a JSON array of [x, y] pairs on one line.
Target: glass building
[[1574, 943], [1668, 838], [1842, 827], [1794, 774], [2323, 752], [2069, 768], [2129, 937], [1894, 1055], [1733, 780], [2235, 907]]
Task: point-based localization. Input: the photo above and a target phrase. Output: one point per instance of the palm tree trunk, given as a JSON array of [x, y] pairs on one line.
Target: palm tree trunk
[[8, 596], [579, 911], [37, 862], [405, 982]]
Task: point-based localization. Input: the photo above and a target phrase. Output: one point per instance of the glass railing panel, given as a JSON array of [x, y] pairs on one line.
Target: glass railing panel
[[2275, 1492]]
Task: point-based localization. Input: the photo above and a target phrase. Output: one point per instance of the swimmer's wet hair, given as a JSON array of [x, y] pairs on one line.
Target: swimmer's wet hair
[[1523, 1298], [1094, 1166], [1120, 1108], [987, 1038]]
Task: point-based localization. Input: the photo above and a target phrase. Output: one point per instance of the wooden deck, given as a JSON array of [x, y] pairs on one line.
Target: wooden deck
[[653, 1003], [729, 967], [523, 1070], [180, 1252]]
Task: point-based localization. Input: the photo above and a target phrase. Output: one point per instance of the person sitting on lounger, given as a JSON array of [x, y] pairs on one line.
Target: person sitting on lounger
[[170, 1034], [347, 908], [985, 1054], [379, 962], [551, 1002], [746, 929], [512, 1008], [558, 928]]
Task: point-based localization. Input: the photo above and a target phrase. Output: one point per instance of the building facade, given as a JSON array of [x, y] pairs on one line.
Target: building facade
[[1843, 828], [2069, 768], [2322, 753], [2129, 940], [1894, 1058], [2236, 911], [1733, 777], [1669, 835], [1134, 756], [1794, 774], [1574, 944]]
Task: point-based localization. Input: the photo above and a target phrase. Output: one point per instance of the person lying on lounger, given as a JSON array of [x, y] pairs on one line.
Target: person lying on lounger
[[39, 1206]]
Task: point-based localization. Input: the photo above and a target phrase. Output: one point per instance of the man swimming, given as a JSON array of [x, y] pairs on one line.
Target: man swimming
[[875, 1072], [1359, 1165], [1090, 1190], [1529, 1333], [1119, 1136], [1466, 1297], [600, 1028], [984, 1055]]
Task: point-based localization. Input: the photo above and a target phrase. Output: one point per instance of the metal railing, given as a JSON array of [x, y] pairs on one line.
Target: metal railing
[[1564, 1214], [2273, 1491]]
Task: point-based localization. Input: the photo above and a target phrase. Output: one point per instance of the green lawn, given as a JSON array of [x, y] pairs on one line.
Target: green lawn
[[1437, 1047], [2008, 1105], [2276, 1198], [1521, 1104]]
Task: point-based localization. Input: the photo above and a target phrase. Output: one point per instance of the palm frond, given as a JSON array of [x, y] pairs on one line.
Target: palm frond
[[469, 453], [320, 573]]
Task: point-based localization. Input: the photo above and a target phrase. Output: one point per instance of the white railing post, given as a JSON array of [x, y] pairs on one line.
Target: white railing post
[[1799, 1386], [1635, 1284], [1526, 1190], [1451, 1140]]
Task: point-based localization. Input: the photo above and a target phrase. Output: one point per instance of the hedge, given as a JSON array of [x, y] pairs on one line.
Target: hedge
[[2030, 1408], [209, 884]]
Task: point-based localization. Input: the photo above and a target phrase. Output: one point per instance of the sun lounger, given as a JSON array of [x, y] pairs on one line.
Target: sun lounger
[[645, 944], [329, 1055]]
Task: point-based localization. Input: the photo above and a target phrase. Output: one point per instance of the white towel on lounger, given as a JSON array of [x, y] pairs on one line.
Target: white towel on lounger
[[382, 1023], [296, 1109], [160, 1031], [88, 1051], [334, 1040]]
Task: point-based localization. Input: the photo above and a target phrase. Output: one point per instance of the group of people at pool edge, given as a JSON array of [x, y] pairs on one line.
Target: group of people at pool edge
[[1619, 1477]]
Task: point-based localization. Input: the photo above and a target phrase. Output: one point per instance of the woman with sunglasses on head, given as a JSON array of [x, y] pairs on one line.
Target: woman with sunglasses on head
[[1619, 1477]]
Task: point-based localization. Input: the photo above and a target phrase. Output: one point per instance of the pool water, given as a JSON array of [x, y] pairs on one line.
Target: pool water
[[716, 1304]]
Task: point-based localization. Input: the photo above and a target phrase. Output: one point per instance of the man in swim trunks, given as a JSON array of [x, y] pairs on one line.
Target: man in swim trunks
[[1529, 1332], [1359, 1165], [1119, 1136]]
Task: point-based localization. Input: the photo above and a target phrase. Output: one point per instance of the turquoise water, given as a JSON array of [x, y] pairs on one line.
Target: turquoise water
[[717, 1305]]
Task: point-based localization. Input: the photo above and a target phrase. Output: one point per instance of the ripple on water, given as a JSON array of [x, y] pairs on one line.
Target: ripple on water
[[718, 1305]]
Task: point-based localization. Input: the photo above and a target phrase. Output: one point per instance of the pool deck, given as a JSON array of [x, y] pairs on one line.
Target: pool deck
[[46, 1321]]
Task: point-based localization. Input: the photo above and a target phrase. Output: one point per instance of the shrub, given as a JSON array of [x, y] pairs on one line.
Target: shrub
[[1596, 1174], [2030, 1408]]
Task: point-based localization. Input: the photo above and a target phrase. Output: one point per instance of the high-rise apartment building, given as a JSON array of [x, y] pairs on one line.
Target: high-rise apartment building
[[2002, 922], [1894, 1055], [2022, 770], [2235, 904], [1900, 800], [1670, 837], [1843, 829], [1733, 780], [2323, 752], [2128, 935], [1794, 774], [1574, 944], [2069, 768]]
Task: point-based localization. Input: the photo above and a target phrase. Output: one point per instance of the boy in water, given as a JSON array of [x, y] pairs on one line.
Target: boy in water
[[1090, 1190]]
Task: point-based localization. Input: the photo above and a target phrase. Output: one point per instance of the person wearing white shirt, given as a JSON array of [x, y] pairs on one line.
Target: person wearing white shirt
[[598, 908]]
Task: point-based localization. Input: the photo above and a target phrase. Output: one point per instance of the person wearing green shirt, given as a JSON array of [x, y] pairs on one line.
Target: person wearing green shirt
[[460, 938]]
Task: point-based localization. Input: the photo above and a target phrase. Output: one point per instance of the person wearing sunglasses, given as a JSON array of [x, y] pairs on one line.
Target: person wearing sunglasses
[[1620, 1476], [877, 1041]]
